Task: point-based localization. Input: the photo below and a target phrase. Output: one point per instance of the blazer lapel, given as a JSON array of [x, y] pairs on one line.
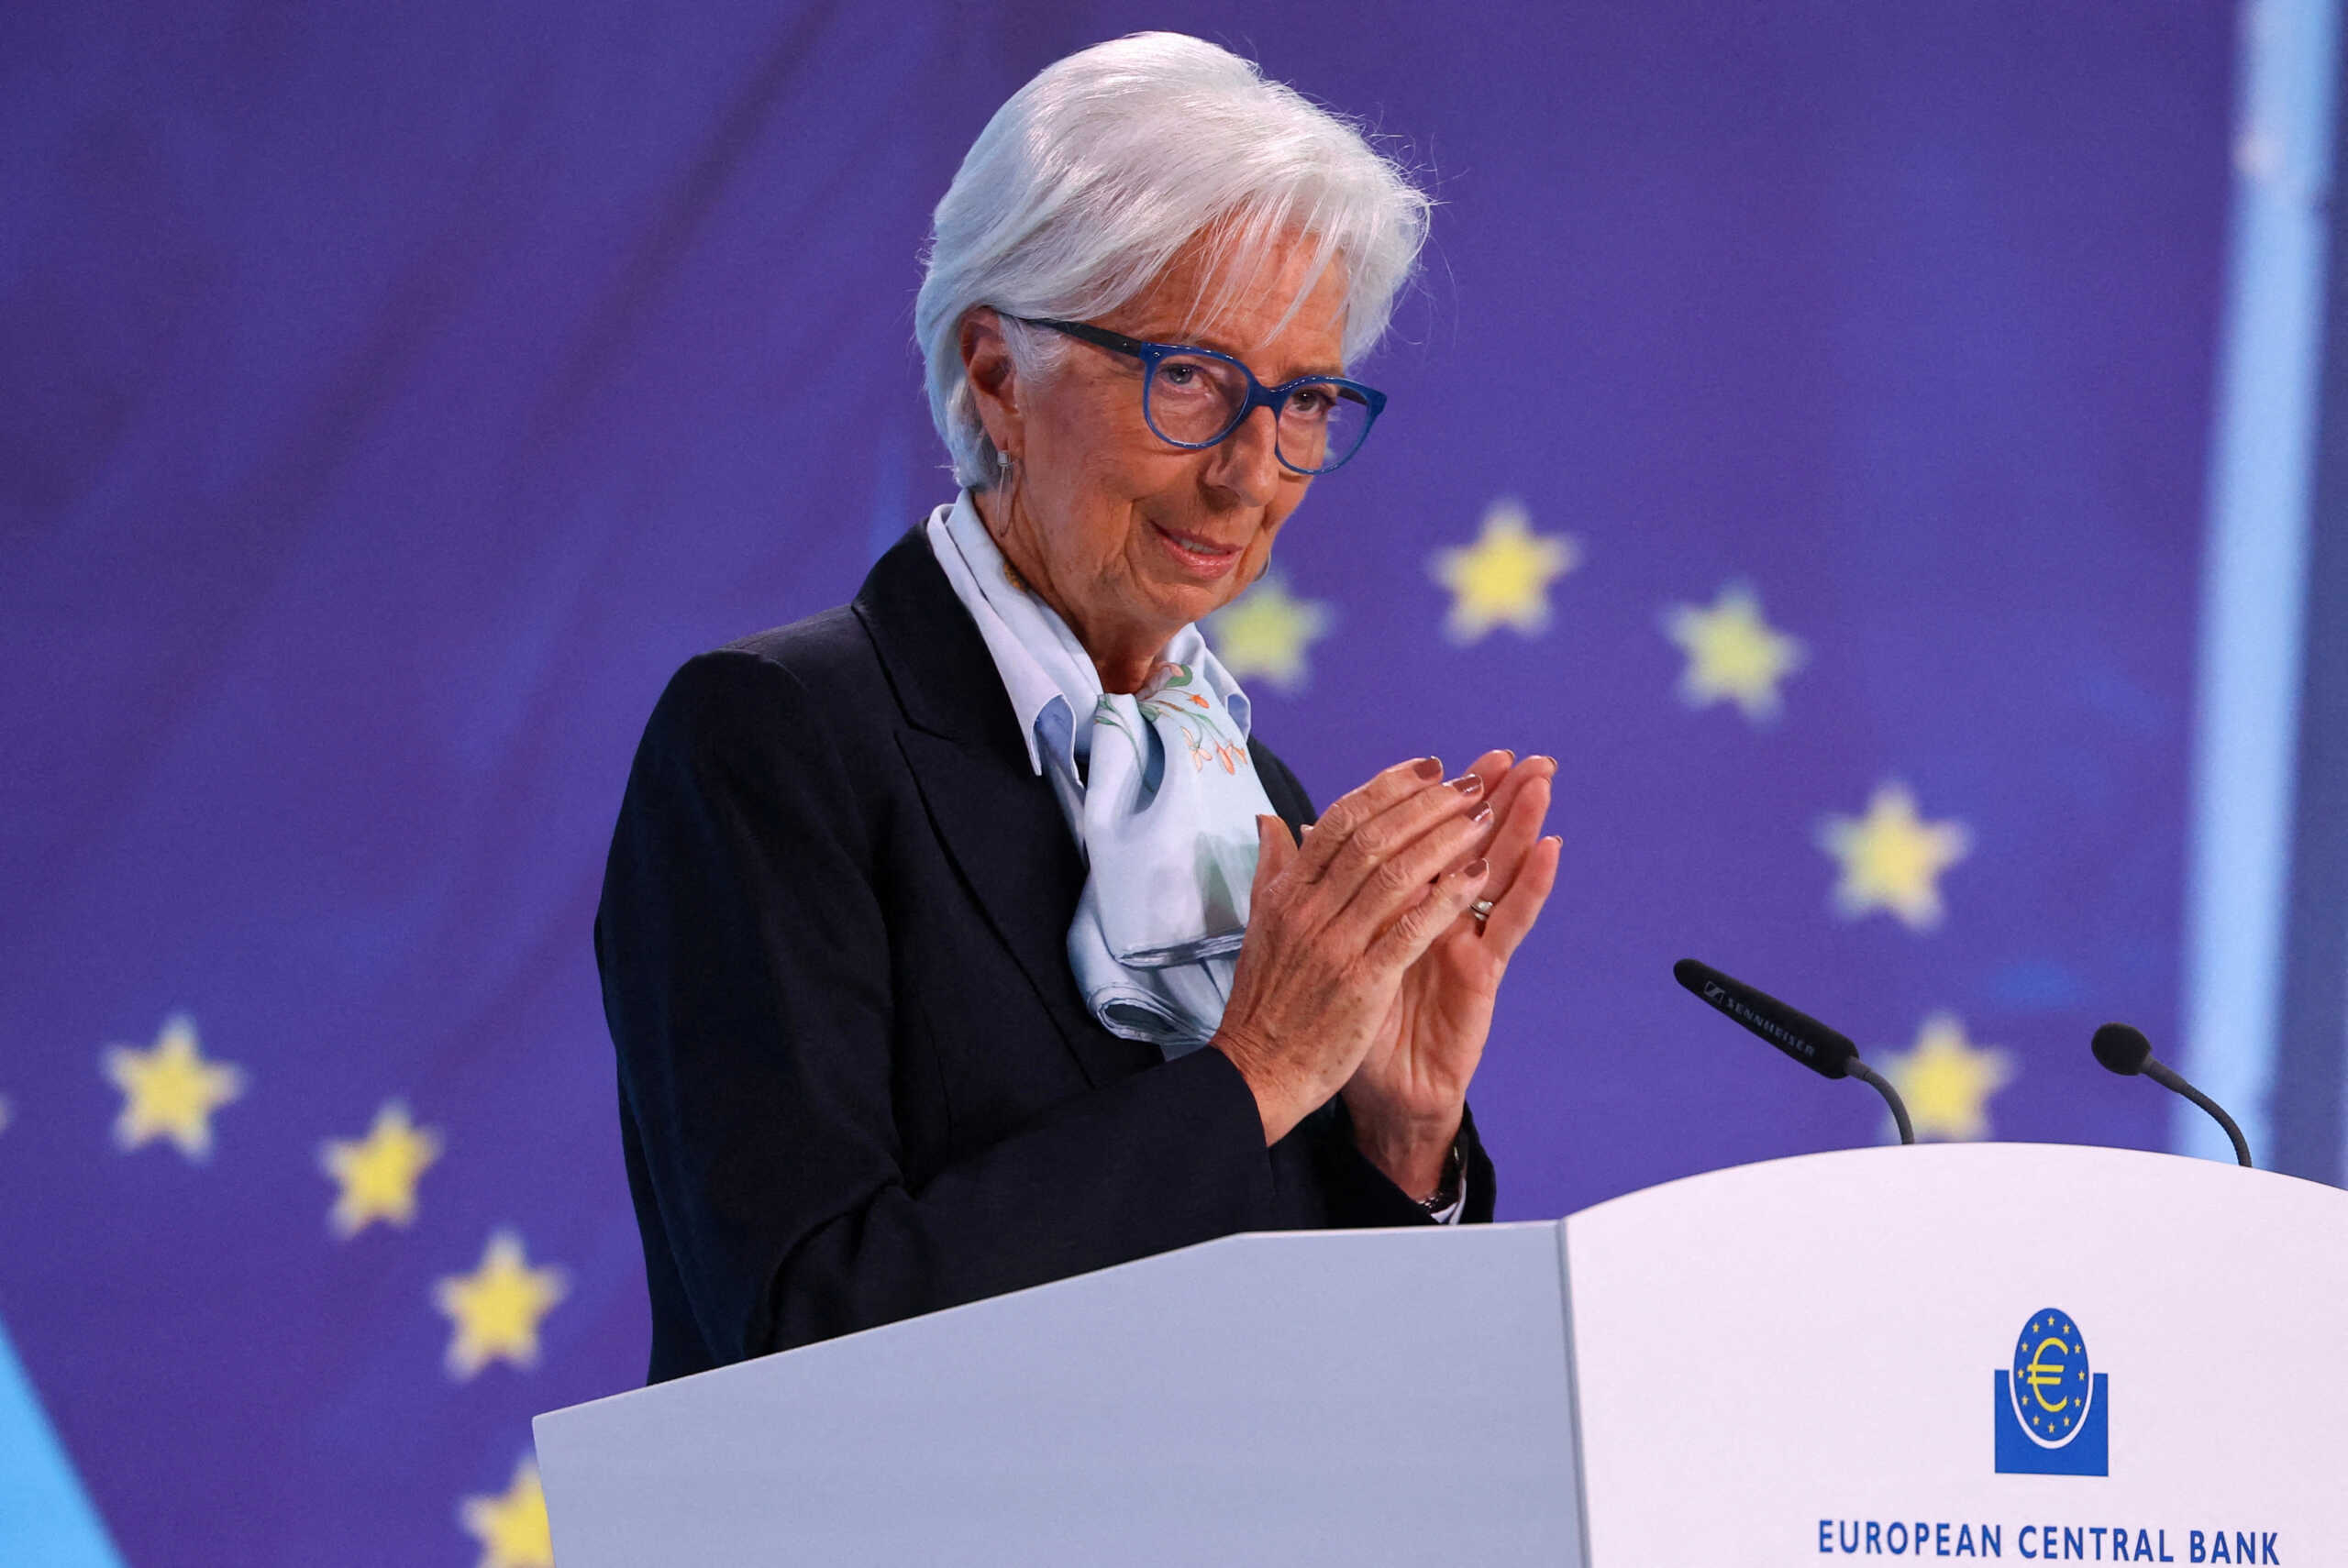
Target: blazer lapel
[[998, 820]]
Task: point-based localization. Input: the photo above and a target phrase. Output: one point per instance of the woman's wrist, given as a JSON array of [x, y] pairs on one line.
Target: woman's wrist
[[1278, 1103], [1448, 1187], [1414, 1152]]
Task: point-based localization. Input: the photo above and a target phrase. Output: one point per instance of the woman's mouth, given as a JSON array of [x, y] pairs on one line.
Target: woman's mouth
[[1196, 555]]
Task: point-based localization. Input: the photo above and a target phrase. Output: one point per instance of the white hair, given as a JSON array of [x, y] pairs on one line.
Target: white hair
[[1091, 178]]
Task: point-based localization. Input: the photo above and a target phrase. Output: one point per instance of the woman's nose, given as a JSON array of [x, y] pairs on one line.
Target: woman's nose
[[1246, 464]]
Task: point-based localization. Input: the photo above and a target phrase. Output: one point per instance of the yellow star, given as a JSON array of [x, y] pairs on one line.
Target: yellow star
[[379, 1172], [512, 1527], [1732, 653], [1893, 860], [497, 1307], [1947, 1080], [1503, 579], [170, 1090], [1266, 633]]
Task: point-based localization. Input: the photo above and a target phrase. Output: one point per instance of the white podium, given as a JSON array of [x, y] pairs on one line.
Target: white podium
[[2000, 1352]]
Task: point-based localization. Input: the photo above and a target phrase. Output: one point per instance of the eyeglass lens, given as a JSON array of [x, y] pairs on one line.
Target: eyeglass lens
[[1195, 400]]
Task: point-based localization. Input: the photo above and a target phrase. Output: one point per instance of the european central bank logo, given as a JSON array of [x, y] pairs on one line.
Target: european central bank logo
[[2054, 1414]]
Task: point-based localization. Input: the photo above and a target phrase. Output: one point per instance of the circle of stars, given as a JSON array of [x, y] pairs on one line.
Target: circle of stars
[[1890, 860]]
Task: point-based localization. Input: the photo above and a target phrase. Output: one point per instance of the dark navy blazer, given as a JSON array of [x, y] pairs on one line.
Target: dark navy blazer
[[857, 1079]]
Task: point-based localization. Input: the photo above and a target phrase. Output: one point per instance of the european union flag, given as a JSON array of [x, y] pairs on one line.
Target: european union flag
[[1811, 458]]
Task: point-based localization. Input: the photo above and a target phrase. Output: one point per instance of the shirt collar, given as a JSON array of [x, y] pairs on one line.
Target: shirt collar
[[1045, 658], [959, 536]]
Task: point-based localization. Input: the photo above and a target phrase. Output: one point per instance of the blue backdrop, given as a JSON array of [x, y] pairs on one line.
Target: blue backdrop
[[1800, 431]]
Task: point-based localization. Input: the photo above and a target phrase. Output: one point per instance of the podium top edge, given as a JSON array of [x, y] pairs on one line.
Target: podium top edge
[[1957, 1159]]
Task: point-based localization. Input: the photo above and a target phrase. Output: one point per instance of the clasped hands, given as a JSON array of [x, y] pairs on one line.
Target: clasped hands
[[1364, 972]]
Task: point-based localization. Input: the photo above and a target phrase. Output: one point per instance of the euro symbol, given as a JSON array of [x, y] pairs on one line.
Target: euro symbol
[[2042, 1377]]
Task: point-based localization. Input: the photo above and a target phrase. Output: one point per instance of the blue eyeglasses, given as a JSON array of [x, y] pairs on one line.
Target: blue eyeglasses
[[1196, 397]]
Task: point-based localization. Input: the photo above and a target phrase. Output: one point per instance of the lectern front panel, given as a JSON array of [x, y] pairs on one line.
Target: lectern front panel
[[1337, 1396], [2005, 1353]]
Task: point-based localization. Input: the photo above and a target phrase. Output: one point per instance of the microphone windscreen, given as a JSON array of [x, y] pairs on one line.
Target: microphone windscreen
[[2123, 1048]]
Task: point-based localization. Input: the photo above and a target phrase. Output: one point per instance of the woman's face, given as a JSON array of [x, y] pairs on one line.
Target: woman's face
[[1129, 538]]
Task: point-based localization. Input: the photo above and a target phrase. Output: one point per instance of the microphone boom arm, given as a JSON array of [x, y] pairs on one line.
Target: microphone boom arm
[[1868, 1076], [2166, 1077]]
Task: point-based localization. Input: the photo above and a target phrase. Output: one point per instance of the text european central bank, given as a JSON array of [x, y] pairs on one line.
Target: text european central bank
[[2050, 1416]]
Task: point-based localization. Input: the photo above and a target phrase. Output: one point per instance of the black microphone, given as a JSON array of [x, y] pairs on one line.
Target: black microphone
[[2123, 1048], [1798, 1035]]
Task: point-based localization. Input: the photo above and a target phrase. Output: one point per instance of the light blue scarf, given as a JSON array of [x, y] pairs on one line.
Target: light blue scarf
[[1157, 786]]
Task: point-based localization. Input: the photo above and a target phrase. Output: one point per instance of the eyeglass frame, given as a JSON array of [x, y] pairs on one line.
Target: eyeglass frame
[[1258, 394]]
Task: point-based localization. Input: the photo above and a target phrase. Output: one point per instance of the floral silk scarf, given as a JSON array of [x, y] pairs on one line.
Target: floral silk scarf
[[1157, 786]]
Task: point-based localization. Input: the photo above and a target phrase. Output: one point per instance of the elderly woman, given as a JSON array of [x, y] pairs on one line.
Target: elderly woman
[[964, 938]]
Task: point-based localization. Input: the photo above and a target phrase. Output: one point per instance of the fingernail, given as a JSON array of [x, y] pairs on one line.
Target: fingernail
[[1428, 768], [1468, 783], [1473, 869], [1480, 818], [1541, 756], [1556, 838], [1509, 754]]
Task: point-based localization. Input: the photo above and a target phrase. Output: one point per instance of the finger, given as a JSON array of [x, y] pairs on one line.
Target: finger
[[1400, 831], [1395, 882], [1520, 777], [1518, 824], [1514, 911], [1405, 942], [1494, 767], [1338, 825], [1274, 852]]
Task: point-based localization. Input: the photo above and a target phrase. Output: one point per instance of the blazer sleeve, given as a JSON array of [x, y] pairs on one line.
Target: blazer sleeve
[[748, 983]]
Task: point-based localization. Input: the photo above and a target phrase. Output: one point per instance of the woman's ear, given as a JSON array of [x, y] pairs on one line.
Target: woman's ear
[[994, 379]]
